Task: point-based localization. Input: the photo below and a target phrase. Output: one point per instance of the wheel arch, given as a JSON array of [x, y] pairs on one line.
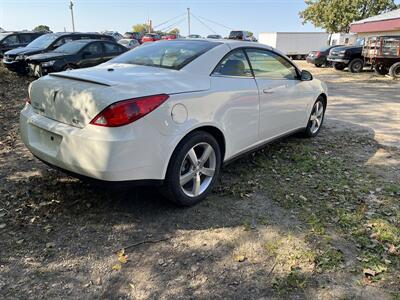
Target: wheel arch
[[211, 129]]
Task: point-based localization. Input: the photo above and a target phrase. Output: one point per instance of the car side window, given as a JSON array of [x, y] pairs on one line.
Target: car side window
[[111, 48], [235, 64], [62, 41], [271, 65], [94, 49], [11, 40], [25, 38]]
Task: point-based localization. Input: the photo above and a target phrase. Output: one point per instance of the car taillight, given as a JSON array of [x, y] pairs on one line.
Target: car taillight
[[28, 100], [318, 54], [128, 111]]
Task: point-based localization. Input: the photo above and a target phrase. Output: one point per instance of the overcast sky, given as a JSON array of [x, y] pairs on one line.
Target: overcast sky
[[119, 15]]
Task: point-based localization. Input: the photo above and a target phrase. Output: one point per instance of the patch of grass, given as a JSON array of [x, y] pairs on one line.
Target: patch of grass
[[384, 231], [328, 184], [294, 281], [329, 260]]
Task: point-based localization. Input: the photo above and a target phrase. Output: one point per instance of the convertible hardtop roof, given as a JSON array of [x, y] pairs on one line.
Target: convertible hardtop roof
[[230, 43]]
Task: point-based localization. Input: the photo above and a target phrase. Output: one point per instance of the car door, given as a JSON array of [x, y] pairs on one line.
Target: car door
[[10, 42], [111, 50], [283, 99], [236, 92], [25, 39], [91, 55]]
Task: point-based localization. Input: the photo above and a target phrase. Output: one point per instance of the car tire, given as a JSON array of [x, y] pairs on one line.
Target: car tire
[[381, 70], [394, 70], [316, 118], [356, 65], [189, 179], [339, 66], [318, 65]]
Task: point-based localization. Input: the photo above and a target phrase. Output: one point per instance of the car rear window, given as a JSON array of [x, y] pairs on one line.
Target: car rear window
[[165, 54]]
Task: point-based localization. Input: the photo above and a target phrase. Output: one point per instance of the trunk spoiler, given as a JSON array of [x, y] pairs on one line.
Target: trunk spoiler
[[78, 79]]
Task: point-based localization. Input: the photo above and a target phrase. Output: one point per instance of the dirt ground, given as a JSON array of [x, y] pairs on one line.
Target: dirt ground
[[300, 219]]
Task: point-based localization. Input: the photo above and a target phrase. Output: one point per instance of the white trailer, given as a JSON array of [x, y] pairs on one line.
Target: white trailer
[[296, 45]]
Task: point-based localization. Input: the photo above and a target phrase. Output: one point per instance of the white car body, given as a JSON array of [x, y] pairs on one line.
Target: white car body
[[245, 112]]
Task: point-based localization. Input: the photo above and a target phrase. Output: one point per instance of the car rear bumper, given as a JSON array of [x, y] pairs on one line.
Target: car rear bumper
[[96, 152], [315, 60]]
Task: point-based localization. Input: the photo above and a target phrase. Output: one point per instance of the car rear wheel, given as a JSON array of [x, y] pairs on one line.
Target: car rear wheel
[[318, 65], [316, 118], [395, 70], [339, 66], [193, 169], [381, 70], [356, 65]]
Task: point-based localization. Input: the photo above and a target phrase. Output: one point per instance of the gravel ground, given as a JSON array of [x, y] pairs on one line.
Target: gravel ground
[[299, 219]]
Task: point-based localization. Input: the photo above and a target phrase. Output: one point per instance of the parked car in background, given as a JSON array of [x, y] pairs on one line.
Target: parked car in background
[[12, 40], [133, 35], [240, 35], [383, 54], [172, 122], [15, 60], [320, 58], [115, 34], [151, 37], [169, 37], [194, 36], [74, 55], [348, 56], [214, 36], [129, 43]]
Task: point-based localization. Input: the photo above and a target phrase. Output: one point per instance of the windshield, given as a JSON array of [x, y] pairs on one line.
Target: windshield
[[165, 54], [43, 41], [71, 47], [236, 35], [3, 35], [360, 42]]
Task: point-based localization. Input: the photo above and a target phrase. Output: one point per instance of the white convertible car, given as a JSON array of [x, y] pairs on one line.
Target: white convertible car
[[170, 112]]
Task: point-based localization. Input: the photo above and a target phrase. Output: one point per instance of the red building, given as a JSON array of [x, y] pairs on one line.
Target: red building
[[383, 24]]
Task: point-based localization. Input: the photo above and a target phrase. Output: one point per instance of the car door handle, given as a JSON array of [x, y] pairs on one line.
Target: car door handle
[[268, 91]]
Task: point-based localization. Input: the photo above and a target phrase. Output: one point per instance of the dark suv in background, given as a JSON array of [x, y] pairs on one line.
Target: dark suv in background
[[15, 60], [12, 40], [348, 56], [320, 58]]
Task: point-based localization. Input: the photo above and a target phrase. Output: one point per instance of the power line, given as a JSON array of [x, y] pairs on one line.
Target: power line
[[216, 23], [173, 24], [204, 24], [169, 20]]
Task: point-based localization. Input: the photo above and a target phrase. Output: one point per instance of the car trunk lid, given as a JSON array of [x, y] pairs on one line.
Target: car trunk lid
[[76, 97]]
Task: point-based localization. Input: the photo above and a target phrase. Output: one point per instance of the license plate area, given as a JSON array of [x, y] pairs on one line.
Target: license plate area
[[44, 140]]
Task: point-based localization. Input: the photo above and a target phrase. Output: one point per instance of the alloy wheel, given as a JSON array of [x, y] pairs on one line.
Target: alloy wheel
[[317, 116], [197, 169]]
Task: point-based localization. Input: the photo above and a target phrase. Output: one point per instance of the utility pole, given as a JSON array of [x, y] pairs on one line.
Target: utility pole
[[188, 16], [71, 7]]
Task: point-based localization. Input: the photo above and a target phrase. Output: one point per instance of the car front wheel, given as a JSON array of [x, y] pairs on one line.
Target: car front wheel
[[356, 65], [316, 118], [193, 169]]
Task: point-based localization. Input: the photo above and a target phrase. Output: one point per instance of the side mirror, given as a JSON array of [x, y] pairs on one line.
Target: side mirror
[[306, 76]]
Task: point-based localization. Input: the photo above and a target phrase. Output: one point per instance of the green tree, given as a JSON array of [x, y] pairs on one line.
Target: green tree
[[337, 15], [142, 28], [174, 31], [42, 28]]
